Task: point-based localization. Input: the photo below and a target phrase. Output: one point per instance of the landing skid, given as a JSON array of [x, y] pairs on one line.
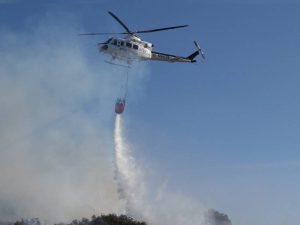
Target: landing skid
[[117, 64]]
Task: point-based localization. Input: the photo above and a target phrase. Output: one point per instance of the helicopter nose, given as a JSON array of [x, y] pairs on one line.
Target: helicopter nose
[[102, 46]]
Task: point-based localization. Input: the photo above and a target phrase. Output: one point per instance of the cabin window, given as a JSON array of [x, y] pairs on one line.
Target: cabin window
[[115, 42], [122, 43], [129, 45], [136, 47]]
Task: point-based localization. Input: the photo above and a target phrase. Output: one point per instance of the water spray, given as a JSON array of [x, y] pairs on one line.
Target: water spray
[[127, 173], [170, 209]]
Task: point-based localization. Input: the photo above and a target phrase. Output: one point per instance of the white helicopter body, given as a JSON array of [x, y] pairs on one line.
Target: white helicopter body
[[132, 48], [126, 49]]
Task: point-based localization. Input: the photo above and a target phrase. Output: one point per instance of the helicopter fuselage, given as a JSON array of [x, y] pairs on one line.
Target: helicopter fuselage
[[127, 49], [133, 48]]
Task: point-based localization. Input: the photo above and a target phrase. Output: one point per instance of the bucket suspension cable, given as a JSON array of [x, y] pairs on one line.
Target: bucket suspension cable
[[126, 83]]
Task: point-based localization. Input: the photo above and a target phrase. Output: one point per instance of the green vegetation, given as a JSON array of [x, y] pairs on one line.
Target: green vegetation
[[110, 219]]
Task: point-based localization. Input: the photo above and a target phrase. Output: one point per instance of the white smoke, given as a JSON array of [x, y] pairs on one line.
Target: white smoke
[[57, 105]]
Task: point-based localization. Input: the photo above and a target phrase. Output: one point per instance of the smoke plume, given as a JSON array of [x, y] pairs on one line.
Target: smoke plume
[[56, 101]]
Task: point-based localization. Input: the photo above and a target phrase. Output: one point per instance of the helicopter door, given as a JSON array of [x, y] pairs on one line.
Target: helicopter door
[[119, 43]]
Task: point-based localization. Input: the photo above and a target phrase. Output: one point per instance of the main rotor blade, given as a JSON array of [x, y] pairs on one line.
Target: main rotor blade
[[102, 33], [159, 29], [120, 22]]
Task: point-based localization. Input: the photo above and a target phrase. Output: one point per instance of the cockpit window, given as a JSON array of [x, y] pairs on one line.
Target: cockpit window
[[115, 42], [109, 40]]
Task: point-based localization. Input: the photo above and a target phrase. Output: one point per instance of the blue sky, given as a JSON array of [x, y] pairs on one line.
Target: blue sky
[[224, 131]]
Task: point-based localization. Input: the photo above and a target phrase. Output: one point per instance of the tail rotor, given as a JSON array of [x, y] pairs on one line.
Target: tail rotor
[[199, 49]]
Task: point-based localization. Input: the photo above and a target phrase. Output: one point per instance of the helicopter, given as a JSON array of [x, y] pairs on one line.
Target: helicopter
[[132, 48]]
